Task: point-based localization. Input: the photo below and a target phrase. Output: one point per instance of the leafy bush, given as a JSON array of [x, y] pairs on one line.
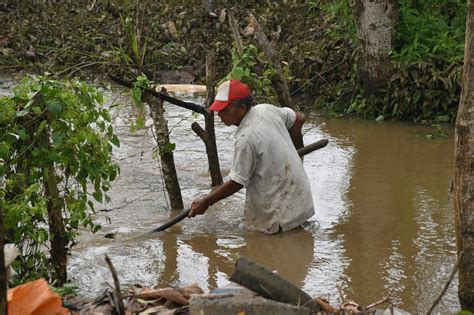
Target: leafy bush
[[55, 154], [430, 29], [427, 58], [256, 74]]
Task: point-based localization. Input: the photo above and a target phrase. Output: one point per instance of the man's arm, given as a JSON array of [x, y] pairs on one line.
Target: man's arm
[[295, 131], [200, 205]]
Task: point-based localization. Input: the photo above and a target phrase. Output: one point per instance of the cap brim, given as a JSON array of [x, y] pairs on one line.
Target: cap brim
[[219, 105]]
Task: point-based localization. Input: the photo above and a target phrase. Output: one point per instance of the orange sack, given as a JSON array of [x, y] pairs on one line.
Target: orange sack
[[34, 298]]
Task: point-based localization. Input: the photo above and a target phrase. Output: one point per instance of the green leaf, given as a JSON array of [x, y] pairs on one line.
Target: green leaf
[[97, 196], [55, 107], [58, 138], [99, 97], [115, 141], [4, 150], [41, 127], [137, 95], [37, 110], [82, 136], [23, 134], [237, 73], [21, 113], [170, 147]]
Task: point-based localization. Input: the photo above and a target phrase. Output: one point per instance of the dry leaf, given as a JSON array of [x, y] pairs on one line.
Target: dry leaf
[[222, 15]]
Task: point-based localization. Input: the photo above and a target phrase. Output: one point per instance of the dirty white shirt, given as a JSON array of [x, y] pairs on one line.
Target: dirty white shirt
[[266, 163]]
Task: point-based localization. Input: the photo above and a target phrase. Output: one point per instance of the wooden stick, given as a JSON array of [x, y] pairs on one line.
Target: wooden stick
[[121, 308], [385, 299], [235, 32], [446, 285]]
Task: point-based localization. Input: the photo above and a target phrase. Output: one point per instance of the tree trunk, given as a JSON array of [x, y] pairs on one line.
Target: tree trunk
[[208, 135], [376, 21], [57, 231], [463, 188], [166, 153]]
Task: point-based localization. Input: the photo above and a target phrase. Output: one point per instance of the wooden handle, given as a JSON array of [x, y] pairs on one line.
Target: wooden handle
[[313, 147], [173, 221]]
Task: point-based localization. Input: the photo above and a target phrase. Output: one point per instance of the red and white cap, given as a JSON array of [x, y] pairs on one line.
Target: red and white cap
[[227, 92]]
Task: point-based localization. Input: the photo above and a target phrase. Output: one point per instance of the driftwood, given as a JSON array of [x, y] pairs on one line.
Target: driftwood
[[166, 154], [270, 285], [208, 136], [278, 79]]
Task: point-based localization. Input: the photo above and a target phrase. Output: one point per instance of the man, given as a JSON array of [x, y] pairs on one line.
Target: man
[[278, 196]]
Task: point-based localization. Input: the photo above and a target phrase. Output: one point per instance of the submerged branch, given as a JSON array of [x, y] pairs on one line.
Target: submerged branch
[[446, 285], [118, 294]]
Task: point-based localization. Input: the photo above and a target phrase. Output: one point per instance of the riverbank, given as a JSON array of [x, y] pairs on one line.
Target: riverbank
[[316, 43]]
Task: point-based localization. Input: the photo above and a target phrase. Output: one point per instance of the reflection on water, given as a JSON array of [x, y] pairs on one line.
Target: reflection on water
[[382, 211]]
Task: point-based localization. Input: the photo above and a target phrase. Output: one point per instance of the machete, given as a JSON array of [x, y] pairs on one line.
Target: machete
[[301, 152], [188, 105]]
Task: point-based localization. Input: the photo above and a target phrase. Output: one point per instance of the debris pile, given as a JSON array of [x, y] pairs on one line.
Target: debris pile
[[253, 290]]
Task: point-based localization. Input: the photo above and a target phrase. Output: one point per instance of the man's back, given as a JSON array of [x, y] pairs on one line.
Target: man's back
[[267, 164]]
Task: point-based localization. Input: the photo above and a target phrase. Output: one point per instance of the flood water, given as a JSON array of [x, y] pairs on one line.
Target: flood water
[[383, 218]]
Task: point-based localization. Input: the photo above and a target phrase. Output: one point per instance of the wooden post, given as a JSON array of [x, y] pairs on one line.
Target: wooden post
[[208, 135], [166, 154]]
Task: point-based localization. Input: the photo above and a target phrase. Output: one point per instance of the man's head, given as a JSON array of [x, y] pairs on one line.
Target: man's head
[[232, 102]]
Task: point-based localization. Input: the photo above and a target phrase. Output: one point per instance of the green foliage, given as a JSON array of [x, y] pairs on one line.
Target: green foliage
[[427, 62], [419, 91], [423, 91], [427, 58], [430, 29], [138, 49], [141, 82], [67, 289], [341, 19], [245, 68], [60, 129]]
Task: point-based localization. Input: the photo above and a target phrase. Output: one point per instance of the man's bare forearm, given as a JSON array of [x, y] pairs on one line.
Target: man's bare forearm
[[295, 131], [200, 205], [223, 191]]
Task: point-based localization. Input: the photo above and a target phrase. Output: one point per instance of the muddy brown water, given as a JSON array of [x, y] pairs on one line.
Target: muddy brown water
[[383, 218]]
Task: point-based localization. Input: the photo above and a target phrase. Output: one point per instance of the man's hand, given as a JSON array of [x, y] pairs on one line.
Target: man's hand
[[199, 206]]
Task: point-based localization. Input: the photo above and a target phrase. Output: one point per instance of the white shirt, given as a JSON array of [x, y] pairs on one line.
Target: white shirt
[[266, 163]]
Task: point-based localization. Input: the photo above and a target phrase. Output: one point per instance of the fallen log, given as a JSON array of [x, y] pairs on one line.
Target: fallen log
[[271, 285]]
